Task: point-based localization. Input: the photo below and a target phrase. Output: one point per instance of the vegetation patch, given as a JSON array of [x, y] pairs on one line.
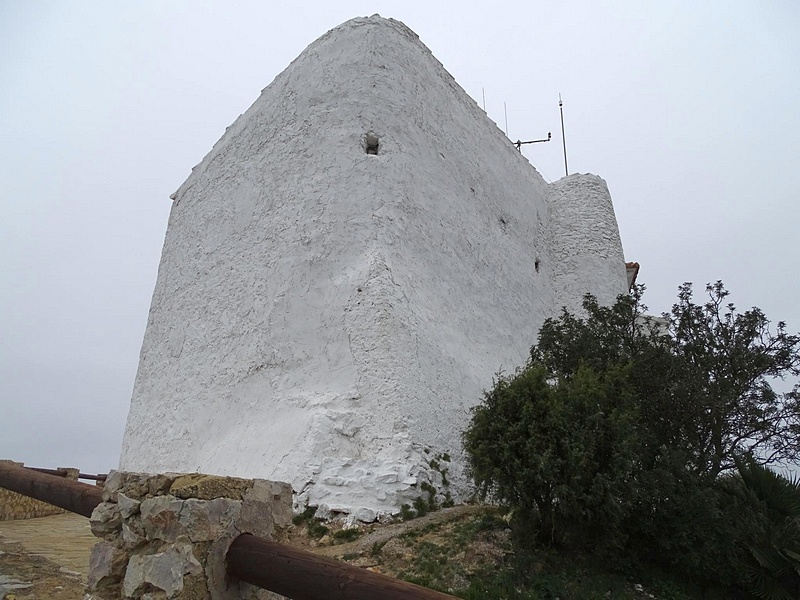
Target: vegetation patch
[[346, 535], [422, 505], [314, 526]]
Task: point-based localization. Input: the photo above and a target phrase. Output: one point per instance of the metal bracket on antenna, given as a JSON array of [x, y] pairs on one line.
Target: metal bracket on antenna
[[518, 143]]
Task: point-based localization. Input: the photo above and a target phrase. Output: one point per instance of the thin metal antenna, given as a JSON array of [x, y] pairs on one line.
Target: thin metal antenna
[[506, 113], [563, 139], [483, 91], [519, 143]]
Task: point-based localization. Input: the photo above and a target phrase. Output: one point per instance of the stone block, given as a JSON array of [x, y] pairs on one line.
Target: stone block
[[160, 484], [132, 535], [208, 487], [69, 472], [257, 508], [366, 515], [112, 485], [282, 495], [127, 506], [106, 566], [215, 571], [163, 570], [206, 520], [161, 518], [136, 485], [105, 519]]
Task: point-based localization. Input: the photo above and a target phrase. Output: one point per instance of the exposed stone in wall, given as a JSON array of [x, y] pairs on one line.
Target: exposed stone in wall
[[166, 536], [15, 506]]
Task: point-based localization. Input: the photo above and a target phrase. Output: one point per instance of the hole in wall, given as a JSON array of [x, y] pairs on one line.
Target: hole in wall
[[536, 264], [371, 143]]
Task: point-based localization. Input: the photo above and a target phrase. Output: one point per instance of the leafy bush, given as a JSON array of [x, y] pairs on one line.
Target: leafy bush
[[621, 433], [561, 453]]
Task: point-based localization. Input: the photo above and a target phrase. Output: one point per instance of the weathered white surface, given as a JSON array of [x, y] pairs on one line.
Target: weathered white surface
[[326, 317], [585, 242]]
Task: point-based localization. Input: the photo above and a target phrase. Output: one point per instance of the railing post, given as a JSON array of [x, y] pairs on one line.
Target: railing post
[[170, 533]]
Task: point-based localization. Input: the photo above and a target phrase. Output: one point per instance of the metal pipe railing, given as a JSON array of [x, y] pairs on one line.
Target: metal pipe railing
[[70, 495], [89, 476], [291, 572], [301, 575], [63, 473]]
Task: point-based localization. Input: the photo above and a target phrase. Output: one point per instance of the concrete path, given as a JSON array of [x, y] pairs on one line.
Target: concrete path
[[63, 539]]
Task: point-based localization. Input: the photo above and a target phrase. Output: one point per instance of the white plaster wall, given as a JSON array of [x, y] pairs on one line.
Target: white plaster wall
[[327, 317]]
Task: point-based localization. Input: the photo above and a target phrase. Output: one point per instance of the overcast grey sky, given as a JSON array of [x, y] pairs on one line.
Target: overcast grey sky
[[689, 110]]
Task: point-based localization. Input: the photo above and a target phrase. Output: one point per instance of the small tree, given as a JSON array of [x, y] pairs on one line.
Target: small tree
[[560, 453], [731, 360]]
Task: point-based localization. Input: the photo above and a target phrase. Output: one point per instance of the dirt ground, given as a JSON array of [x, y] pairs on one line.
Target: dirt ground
[[371, 534], [44, 558]]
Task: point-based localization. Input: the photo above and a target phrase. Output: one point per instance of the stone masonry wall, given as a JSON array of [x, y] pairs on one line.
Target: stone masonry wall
[[166, 536], [15, 506]]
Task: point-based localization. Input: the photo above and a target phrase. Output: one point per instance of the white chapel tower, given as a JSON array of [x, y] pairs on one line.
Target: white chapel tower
[[344, 273]]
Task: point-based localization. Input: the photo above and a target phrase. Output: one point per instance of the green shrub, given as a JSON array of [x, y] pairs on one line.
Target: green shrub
[[619, 437], [346, 535], [406, 514]]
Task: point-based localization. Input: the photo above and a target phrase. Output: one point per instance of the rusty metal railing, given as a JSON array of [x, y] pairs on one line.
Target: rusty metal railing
[[64, 473], [70, 495]]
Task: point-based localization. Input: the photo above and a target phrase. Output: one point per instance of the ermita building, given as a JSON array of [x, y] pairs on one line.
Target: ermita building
[[345, 272]]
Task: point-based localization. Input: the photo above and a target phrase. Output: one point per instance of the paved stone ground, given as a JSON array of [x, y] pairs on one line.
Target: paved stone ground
[[45, 558], [63, 539]]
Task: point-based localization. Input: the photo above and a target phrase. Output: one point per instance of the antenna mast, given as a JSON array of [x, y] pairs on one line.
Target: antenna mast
[[519, 143], [563, 139]]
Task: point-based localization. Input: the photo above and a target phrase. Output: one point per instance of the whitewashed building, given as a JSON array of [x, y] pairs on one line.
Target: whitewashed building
[[345, 272]]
